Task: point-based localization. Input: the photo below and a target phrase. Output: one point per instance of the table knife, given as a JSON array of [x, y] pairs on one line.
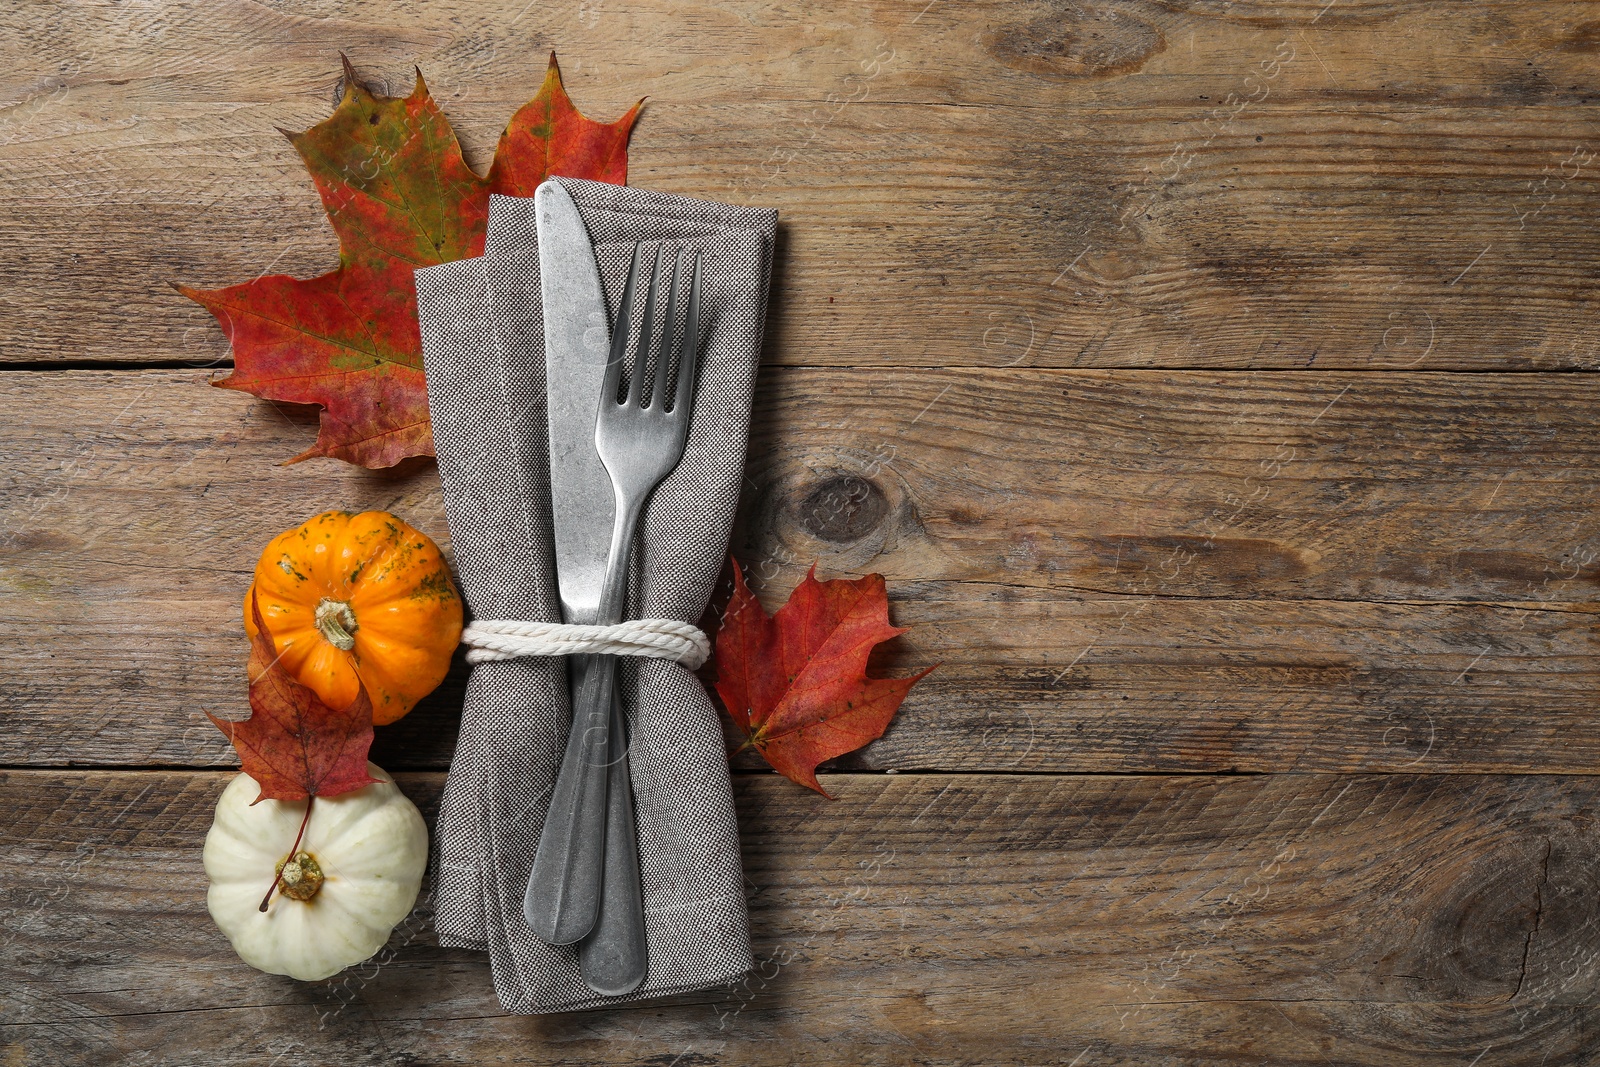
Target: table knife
[[585, 882]]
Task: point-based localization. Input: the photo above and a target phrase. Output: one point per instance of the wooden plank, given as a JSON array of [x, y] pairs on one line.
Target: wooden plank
[[940, 919], [981, 184], [1395, 488], [1118, 571], [1041, 685]]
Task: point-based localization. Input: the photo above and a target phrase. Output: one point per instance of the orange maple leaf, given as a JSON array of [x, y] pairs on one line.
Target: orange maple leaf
[[400, 196]]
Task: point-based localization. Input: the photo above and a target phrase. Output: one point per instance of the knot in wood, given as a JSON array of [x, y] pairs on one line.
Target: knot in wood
[[842, 508]]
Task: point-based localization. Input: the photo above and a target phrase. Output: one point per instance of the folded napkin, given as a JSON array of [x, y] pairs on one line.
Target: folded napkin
[[483, 351]]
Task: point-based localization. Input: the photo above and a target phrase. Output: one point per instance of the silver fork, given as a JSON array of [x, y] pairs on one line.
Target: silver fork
[[640, 440]]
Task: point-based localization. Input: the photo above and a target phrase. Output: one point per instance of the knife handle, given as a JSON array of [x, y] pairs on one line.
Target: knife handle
[[614, 958], [564, 888]]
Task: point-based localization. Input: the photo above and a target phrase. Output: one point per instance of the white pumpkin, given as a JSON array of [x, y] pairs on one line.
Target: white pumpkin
[[355, 875]]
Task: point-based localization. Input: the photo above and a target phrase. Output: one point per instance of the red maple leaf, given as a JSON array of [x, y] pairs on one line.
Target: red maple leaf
[[293, 744], [795, 683], [400, 196]]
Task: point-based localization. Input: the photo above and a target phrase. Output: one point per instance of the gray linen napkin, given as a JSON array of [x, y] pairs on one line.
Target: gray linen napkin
[[483, 351]]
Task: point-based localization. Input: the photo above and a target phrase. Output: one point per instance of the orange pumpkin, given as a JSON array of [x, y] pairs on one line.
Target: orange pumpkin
[[354, 600]]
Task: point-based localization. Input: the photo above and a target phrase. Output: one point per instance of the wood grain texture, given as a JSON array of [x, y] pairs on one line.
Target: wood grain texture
[[1027, 250], [1118, 571], [945, 919], [1366, 185]]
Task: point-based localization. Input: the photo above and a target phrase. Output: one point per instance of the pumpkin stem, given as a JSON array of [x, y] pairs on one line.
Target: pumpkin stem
[[337, 622], [301, 877], [278, 875]]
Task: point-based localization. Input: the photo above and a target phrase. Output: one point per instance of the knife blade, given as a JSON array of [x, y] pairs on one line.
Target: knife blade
[[586, 883], [577, 342]]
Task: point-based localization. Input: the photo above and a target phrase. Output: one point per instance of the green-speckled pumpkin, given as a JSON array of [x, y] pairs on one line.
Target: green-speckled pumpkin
[[359, 599]]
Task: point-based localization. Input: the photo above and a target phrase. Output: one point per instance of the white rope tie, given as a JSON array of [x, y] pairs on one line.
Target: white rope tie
[[502, 639]]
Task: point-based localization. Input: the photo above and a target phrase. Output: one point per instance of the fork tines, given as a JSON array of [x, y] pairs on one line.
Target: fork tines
[[662, 352]]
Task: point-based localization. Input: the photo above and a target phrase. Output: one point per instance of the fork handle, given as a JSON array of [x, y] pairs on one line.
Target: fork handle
[[614, 589]]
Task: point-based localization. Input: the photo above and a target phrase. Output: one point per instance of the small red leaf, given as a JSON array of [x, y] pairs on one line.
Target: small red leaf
[[293, 744], [795, 683]]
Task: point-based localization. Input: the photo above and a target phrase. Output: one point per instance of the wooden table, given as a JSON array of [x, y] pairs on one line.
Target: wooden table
[[1205, 379]]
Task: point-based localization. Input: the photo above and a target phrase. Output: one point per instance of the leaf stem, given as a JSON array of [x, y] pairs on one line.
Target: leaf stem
[[278, 875]]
